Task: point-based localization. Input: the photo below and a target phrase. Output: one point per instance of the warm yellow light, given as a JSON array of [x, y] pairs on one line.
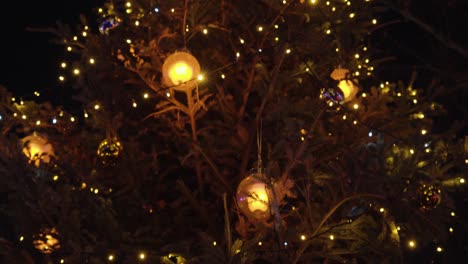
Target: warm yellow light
[[96, 107], [205, 31], [411, 244], [332, 237], [253, 197], [55, 178], [452, 213], [411, 151], [328, 32], [110, 257], [63, 65], [214, 243], [21, 238], [439, 249], [69, 48], [348, 89], [179, 71], [145, 95], [382, 210], [451, 230], [260, 28], [137, 23], [258, 198], [374, 21], [91, 61], [142, 256], [260, 243], [352, 15], [423, 132], [61, 78], [462, 180], [76, 71], [72, 119], [37, 149], [313, 1], [303, 237], [356, 106], [62, 261], [84, 34], [223, 76]]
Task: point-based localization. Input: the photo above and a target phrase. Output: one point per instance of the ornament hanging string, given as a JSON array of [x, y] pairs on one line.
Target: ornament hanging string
[[259, 145]]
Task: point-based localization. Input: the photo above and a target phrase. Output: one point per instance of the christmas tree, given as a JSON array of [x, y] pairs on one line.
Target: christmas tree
[[231, 132]]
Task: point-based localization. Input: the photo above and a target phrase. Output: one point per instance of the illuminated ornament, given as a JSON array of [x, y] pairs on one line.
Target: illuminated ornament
[[37, 148], [254, 197], [109, 150], [429, 196], [348, 89], [109, 23], [346, 86], [332, 95], [47, 241], [180, 71]]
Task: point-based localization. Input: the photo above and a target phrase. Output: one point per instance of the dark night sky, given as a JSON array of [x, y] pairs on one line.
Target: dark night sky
[[29, 61]]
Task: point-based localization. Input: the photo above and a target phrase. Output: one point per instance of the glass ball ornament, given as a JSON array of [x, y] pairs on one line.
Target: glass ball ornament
[[108, 23], [180, 71], [348, 89], [37, 148], [254, 197], [109, 150], [332, 95], [429, 196], [46, 241]]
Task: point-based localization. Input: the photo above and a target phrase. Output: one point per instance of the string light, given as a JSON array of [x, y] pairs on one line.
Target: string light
[[412, 244], [110, 257], [142, 256]]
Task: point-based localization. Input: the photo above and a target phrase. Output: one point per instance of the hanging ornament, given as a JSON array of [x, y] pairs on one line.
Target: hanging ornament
[[109, 150], [332, 95], [47, 241], [180, 71], [254, 197], [429, 196], [108, 23], [346, 86], [37, 148]]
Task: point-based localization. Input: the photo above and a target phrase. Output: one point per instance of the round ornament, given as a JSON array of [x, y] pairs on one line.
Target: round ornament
[[37, 148], [348, 89], [332, 95], [47, 240], [109, 150], [254, 197], [345, 85], [108, 23], [429, 196], [180, 71]]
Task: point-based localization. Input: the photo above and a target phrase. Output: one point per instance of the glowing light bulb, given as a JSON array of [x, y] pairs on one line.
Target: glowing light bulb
[[180, 72]]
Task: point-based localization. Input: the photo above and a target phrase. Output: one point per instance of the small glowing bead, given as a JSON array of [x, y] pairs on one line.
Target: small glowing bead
[[352, 15], [63, 65], [205, 31], [332, 237], [303, 237], [142, 256], [110, 257], [411, 244], [259, 28], [374, 21]]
